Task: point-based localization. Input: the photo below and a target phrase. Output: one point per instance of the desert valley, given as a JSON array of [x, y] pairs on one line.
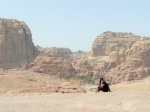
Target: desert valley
[[35, 79]]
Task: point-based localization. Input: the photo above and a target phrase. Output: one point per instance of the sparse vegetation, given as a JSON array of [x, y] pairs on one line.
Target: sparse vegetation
[[68, 77], [88, 80]]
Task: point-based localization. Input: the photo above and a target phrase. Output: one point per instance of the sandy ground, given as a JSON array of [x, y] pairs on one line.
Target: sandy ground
[[15, 82], [77, 102], [24, 91]]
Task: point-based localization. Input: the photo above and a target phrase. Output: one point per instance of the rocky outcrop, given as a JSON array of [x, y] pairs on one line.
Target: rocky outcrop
[[16, 46], [62, 52], [115, 56], [50, 63], [82, 66], [128, 56], [111, 42]]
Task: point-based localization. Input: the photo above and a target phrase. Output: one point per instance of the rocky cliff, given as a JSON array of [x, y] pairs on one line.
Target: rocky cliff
[[51, 63], [124, 56], [115, 56], [16, 46], [62, 52]]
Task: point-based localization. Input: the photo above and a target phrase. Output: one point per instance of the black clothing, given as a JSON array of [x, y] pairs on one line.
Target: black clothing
[[105, 88]]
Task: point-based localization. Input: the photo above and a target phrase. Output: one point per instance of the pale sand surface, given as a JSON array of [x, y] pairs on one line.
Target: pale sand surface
[[77, 102], [24, 91]]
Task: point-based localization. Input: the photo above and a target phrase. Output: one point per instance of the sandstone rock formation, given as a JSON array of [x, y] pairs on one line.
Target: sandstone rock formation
[[16, 46], [80, 62], [115, 56], [110, 42], [125, 56], [62, 52], [50, 63]]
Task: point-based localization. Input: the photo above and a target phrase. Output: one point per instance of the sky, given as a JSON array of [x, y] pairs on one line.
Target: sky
[[75, 24]]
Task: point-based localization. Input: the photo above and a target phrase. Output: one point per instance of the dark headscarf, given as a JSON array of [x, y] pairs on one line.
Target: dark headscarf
[[100, 80]]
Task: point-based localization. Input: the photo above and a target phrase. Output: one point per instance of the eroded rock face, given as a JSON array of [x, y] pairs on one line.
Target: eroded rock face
[[111, 42], [50, 63], [128, 56], [16, 46], [82, 66], [115, 56], [62, 52]]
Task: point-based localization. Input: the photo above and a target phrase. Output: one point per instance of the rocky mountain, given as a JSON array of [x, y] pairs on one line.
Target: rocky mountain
[[115, 56], [62, 52], [57, 61], [50, 63], [121, 56], [16, 46]]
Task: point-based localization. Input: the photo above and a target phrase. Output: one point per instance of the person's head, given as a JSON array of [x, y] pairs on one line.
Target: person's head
[[101, 80]]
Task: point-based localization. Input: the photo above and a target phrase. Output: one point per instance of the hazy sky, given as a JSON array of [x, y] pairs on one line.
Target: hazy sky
[[75, 24]]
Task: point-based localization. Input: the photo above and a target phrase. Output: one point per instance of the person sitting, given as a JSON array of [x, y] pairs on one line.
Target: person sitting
[[103, 86]]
